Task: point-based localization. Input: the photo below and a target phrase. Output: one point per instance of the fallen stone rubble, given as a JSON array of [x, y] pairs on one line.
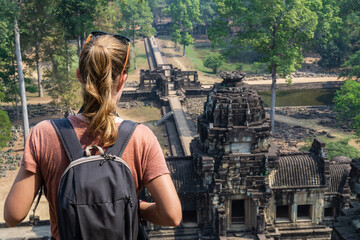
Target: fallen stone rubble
[[325, 114]]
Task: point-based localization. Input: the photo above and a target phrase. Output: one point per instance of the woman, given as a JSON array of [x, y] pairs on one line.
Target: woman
[[103, 66]]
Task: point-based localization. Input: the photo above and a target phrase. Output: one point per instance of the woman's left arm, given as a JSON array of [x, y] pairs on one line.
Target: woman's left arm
[[21, 196]]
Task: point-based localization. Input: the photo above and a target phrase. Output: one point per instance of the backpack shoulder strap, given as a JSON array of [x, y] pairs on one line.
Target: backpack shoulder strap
[[126, 130], [68, 138]]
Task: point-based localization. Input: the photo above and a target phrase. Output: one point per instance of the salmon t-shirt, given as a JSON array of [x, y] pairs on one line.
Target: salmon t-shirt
[[45, 155]]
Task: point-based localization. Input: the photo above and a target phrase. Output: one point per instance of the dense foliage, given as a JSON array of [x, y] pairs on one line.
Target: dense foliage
[[347, 103]]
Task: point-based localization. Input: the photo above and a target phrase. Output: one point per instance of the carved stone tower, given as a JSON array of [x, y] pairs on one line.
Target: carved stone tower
[[233, 155]]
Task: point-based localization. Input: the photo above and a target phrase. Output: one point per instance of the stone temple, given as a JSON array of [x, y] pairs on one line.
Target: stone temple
[[236, 183]]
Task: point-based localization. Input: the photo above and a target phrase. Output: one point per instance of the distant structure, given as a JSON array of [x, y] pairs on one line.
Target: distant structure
[[236, 182], [161, 77]]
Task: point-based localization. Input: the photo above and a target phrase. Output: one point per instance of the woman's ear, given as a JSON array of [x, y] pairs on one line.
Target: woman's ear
[[79, 76], [121, 81]]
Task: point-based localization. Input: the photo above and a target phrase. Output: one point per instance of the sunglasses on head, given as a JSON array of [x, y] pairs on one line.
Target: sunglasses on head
[[123, 39]]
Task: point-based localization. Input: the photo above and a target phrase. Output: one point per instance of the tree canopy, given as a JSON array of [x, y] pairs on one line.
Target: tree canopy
[[136, 21], [277, 29], [183, 14]]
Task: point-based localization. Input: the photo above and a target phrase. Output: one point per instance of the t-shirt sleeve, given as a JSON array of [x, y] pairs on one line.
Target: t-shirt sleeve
[[155, 164], [31, 156]]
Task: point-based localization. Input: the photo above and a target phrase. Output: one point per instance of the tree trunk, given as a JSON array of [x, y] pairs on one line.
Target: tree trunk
[[15, 91], [273, 96], [184, 51], [21, 80], [134, 52], [67, 58], [56, 73], [37, 60], [79, 44], [38, 69]]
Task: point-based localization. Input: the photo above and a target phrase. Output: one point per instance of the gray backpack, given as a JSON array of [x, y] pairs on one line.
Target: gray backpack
[[96, 196]]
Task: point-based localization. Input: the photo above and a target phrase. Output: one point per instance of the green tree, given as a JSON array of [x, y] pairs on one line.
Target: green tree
[[7, 58], [352, 67], [60, 84], [214, 61], [183, 14], [207, 10], [328, 41], [136, 20], [347, 103], [277, 29], [107, 15], [337, 36], [35, 19], [77, 18]]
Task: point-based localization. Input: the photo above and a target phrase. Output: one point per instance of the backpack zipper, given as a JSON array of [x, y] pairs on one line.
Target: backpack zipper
[[107, 157], [129, 200]]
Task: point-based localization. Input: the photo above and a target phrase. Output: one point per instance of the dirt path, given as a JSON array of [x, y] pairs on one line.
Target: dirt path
[[175, 58]]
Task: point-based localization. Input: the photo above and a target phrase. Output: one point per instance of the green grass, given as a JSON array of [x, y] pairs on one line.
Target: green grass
[[199, 51], [141, 60], [335, 148]]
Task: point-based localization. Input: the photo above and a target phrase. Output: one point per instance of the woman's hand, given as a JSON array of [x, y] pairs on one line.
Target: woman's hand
[[166, 211], [21, 196]]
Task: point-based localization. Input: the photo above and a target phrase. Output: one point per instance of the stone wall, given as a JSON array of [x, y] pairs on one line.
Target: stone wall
[[9, 159], [34, 110]]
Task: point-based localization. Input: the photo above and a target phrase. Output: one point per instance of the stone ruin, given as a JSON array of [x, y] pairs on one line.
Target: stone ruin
[[157, 81], [236, 181]]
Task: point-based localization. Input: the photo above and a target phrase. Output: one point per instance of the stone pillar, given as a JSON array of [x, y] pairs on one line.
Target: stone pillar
[[222, 224], [293, 213], [260, 223], [142, 73]]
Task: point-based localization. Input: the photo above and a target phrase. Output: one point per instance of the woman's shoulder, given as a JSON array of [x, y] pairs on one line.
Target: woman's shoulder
[[143, 131], [43, 127], [143, 134]]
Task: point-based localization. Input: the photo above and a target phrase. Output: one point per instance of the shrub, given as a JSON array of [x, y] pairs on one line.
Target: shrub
[[5, 128], [339, 147], [214, 61]]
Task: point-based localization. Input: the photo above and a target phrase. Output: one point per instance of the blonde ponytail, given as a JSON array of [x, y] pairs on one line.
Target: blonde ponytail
[[100, 65]]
